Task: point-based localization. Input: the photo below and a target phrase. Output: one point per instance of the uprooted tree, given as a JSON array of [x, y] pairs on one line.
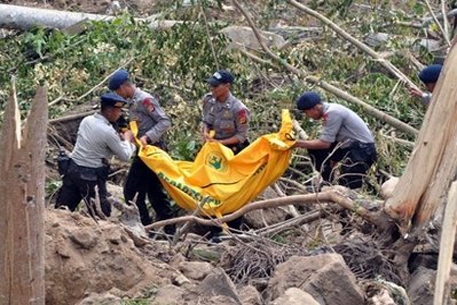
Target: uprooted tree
[[22, 203]]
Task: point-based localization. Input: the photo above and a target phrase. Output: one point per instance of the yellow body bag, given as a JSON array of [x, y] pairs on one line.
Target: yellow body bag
[[229, 181]]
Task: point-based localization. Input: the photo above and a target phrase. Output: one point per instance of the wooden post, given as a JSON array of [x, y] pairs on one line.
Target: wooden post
[[22, 182], [446, 248]]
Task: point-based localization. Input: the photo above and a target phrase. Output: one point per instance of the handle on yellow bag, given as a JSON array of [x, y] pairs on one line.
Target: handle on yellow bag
[[134, 129]]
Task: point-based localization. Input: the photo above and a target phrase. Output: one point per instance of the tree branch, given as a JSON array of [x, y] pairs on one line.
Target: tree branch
[[327, 196]]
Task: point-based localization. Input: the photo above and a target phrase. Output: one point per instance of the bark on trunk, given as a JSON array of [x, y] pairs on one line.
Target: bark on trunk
[[23, 18], [22, 172], [432, 167]]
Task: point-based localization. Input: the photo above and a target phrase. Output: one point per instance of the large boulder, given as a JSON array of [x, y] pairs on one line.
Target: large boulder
[[84, 257], [326, 277]]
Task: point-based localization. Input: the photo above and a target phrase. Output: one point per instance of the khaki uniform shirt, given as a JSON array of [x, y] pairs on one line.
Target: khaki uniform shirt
[[341, 124], [151, 119], [227, 119]]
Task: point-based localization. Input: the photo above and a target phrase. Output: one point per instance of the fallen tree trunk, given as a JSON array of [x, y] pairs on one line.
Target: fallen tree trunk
[[24, 18], [22, 203]]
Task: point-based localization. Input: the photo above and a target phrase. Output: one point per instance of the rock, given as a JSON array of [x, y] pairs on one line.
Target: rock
[[243, 37], [376, 39], [422, 286], [87, 238], [326, 277], [176, 260], [381, 292], [219, 300], [195, 270], [168, 295], [100, 299], [81, 258], [114, 234], [250, 296], [217, 283], [388, 187], [179, 279], [295, 296], [382, 298]]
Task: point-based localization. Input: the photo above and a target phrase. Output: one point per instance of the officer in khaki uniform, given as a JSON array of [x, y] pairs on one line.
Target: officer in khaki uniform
[[228, 118], [88, 165], [345, 139], [224, 114], [152, 124]]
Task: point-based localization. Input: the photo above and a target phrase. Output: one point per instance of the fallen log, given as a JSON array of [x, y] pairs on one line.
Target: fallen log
[[24, 18]]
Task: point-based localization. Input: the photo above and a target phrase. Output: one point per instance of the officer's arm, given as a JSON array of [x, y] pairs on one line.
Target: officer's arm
[[312, 144], [242, 125], [122, 149], [207, 126], [153, 109]]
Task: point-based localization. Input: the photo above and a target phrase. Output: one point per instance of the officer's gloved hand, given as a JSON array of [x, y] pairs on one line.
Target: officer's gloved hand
[[122, 124]]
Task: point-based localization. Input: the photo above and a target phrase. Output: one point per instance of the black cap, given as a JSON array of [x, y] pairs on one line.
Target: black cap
[[117, 79], [111, 99], [430, 74], [220, 77], [308, 100]]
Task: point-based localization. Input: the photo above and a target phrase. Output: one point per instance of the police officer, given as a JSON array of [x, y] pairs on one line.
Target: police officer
[[152, 124], [88, 166], [345, 138], [429, 76], [224, 114]]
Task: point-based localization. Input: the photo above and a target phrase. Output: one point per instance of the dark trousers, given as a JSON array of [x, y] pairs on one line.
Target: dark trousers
[[79, 184], [355, 161], [143, 181], [238, 146]]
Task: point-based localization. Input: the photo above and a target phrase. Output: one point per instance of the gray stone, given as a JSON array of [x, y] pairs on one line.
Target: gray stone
[[250, 296], [195, 270], [295, 296], [87, 238], [100, 299], [217, 283], [388, 187], [179, 279], [326, 277], [422, 286], [243, 37], [168, 295]]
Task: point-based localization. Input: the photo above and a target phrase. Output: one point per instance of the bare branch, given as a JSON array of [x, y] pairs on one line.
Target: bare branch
[[443, 31], [327, 196]]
